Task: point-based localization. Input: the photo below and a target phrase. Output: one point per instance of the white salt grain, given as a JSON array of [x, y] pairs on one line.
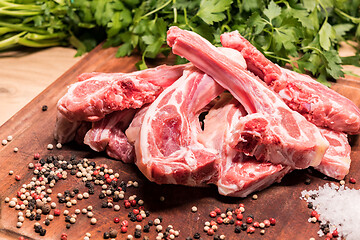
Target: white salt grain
[[339, 206]]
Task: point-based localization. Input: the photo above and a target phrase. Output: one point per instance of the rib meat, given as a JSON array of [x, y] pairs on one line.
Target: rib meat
[[336, 161], [271, 131], [98, 94], [238, 174], [108, 134], [167, 149], [318, 103]]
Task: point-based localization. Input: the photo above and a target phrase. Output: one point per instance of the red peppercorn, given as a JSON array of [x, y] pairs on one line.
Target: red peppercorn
[[41, 178], [335, 233], [108, 180], [212, 223], [36, 156], [106, 175], [59, 175], [238, 223], [241, 205], [18, 193], [115, 179], [317, 216], [213, 214], [230, 217], [210, 232], [313, 213], [237, 211], [20, 202], [219, 220], [125, 223], [127, 204], [239, 216], [57, 212], [249, 220], [136, 211], [141, 208], [21, 238], [139, 218], [63, 236], [17, 177], [256, 224], [133, 203], [272, 221], [217, 210], [250, 229], [123, 229], [327, 238], [96, 172], [116, 220], [352, 180], [329, 235]]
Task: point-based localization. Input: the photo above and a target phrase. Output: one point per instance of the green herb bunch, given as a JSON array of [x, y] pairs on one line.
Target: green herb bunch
[[305, 33]]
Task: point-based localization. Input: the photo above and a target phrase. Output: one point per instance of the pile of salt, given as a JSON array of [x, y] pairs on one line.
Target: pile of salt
[[337, 205]]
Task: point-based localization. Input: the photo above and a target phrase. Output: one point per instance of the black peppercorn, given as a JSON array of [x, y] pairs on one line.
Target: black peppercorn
[[106, 235], [243, 226], [42, 232], [197, 235], [137, 234], [44, 108], [146, 228], [237, 229]]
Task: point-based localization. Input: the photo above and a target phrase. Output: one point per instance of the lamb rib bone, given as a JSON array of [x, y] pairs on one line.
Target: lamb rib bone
[[271, 131], [319, 104], [167, 150], [98, 94]]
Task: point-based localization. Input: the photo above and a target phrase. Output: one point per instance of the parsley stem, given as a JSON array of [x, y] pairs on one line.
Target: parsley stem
[[343, 14], [175, 12], [22, 28], [8, 42], [157, 9]]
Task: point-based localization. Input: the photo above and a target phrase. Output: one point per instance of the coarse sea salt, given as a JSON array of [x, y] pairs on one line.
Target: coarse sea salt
[[338, 206]]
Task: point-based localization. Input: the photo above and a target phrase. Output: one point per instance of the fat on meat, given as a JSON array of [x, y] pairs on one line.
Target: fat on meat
[[271, 131], [238, 174], [98, 94], [336, 161], [165, 134], [319, 104]]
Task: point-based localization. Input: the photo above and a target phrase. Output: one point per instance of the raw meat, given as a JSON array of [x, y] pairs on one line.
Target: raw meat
[[238, 174], [65, 130], [98, 94], [167, 150], [271, 131], [108, 134], [336, 161], [318, 103]]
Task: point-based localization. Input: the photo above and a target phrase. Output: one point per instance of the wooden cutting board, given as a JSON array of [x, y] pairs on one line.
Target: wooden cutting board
[[32, 130]]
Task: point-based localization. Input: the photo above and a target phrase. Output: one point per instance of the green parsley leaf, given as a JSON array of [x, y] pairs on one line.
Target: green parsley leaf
[[211, 11], [272, 11]]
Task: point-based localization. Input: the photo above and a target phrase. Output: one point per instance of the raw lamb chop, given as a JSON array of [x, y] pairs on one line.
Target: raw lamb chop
[[108, 134], [167, 151], [271, 131], [336, 161], [238, 174], [98, 94], [318, 103]]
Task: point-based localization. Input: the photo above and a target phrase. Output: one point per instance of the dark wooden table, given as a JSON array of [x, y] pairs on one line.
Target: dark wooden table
[[32, 130]]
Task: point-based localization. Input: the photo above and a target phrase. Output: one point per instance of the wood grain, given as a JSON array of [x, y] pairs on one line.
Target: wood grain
[[32, 129], [26, 72]]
